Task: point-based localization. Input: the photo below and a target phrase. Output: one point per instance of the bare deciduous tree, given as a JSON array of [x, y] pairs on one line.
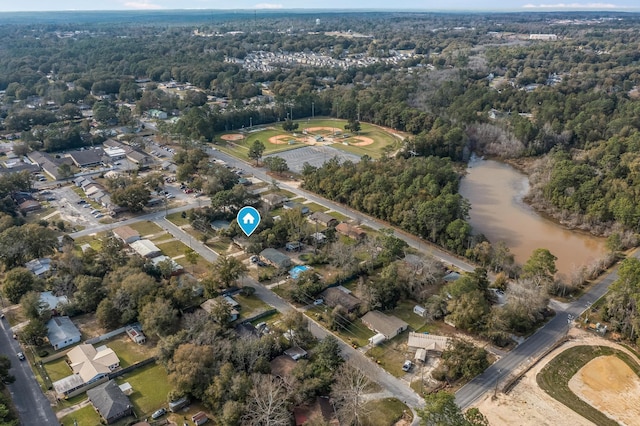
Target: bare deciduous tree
[[351, 384], [268, 402]]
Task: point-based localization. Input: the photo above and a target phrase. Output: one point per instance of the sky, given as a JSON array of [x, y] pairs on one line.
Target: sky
[[437, 5]]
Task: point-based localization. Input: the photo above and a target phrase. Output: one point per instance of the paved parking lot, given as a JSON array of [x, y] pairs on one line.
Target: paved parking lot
[[314, 155]]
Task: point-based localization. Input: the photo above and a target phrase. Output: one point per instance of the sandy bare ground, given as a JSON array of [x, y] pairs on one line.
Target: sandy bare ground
[[232, 137], [528, 405], [609, 385], [282, 139], [362, 141]]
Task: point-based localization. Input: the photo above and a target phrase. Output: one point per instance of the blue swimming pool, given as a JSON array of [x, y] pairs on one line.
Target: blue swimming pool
[[297, 270]]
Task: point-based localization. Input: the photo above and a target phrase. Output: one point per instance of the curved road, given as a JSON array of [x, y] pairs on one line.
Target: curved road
[[32, 405]]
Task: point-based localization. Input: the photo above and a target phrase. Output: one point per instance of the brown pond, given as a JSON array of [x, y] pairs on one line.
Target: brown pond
[[495, 191]]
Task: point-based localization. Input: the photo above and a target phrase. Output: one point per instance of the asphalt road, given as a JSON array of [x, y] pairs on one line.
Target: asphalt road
[[413, 241], [535, 346], [394, 385], [33, 407]]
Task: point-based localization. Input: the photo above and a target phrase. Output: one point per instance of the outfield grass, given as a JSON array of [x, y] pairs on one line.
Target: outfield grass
[[146, 228], [84, 416], [383, 141], [150, 388], [554, 378], [387, 411]]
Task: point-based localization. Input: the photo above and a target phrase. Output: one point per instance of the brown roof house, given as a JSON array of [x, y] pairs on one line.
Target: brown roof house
[[386, 325], [351, 231], [323, 219], [110, 402], [320, 409], [126, 234], [333, 297]]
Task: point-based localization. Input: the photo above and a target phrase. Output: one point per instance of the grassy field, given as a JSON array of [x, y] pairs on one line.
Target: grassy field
[[58, 369], [84, 416], [554, 378], [315, 207], [177, 219], [128, 352], [404, 311], [146, 228], [250, 306], [173, 248], [150, 388], [382, 140], [339, 216], [387, 411]]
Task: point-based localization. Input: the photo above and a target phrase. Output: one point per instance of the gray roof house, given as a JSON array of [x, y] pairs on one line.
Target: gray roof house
[[86, 158], [273, 200], [275, 258], [387, 325], [110, 402], [62, 332], [333, 297]]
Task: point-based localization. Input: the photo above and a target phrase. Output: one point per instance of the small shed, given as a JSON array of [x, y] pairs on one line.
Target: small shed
[[199, 418], [421, 355], [377, 339], [126, 388], [420, 311], [296, 353]]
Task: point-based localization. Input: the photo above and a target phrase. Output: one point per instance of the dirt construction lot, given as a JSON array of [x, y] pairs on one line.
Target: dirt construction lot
[[528, 405], [609, 385]]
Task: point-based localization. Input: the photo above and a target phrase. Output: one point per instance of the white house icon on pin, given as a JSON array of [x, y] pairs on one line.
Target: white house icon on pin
[[248, 219]]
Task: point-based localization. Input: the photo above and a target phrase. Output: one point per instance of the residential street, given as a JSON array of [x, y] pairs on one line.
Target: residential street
[[32, 405], [394, 385], [497, 374]]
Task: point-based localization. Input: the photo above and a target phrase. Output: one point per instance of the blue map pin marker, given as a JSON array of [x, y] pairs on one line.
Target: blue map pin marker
[[248, 219]]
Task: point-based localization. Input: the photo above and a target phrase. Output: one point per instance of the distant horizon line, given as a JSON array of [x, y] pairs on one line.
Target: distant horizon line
[[523, 9]]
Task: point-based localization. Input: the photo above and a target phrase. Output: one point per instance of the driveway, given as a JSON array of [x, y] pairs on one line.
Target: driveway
[[32, 406]]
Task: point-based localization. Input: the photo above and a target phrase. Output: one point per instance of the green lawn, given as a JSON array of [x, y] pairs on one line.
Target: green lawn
[[404, 311], [173, 248], [315, 207], [221, 245], [128, 351], [92, 240], [554, 378], [339, 216], [84, 416], [146, 228], [150, 388], [269, 319], [177, 219], [250, 306], [387, 411], [58, 369], [383, 141]]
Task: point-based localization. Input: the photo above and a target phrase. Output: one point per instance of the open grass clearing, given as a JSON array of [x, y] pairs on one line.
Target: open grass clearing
[[150, 388], [146, 228], [315, 207], [385, 412], [404, 311], [93, 240], [220, 245], [250, 306], [554, 378], [84, 416], [173, 248], [58, 369], [128, 352], [178, 220], [339, 216]]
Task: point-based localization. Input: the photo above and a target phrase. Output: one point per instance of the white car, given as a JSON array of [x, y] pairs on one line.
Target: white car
[[407, 365]]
